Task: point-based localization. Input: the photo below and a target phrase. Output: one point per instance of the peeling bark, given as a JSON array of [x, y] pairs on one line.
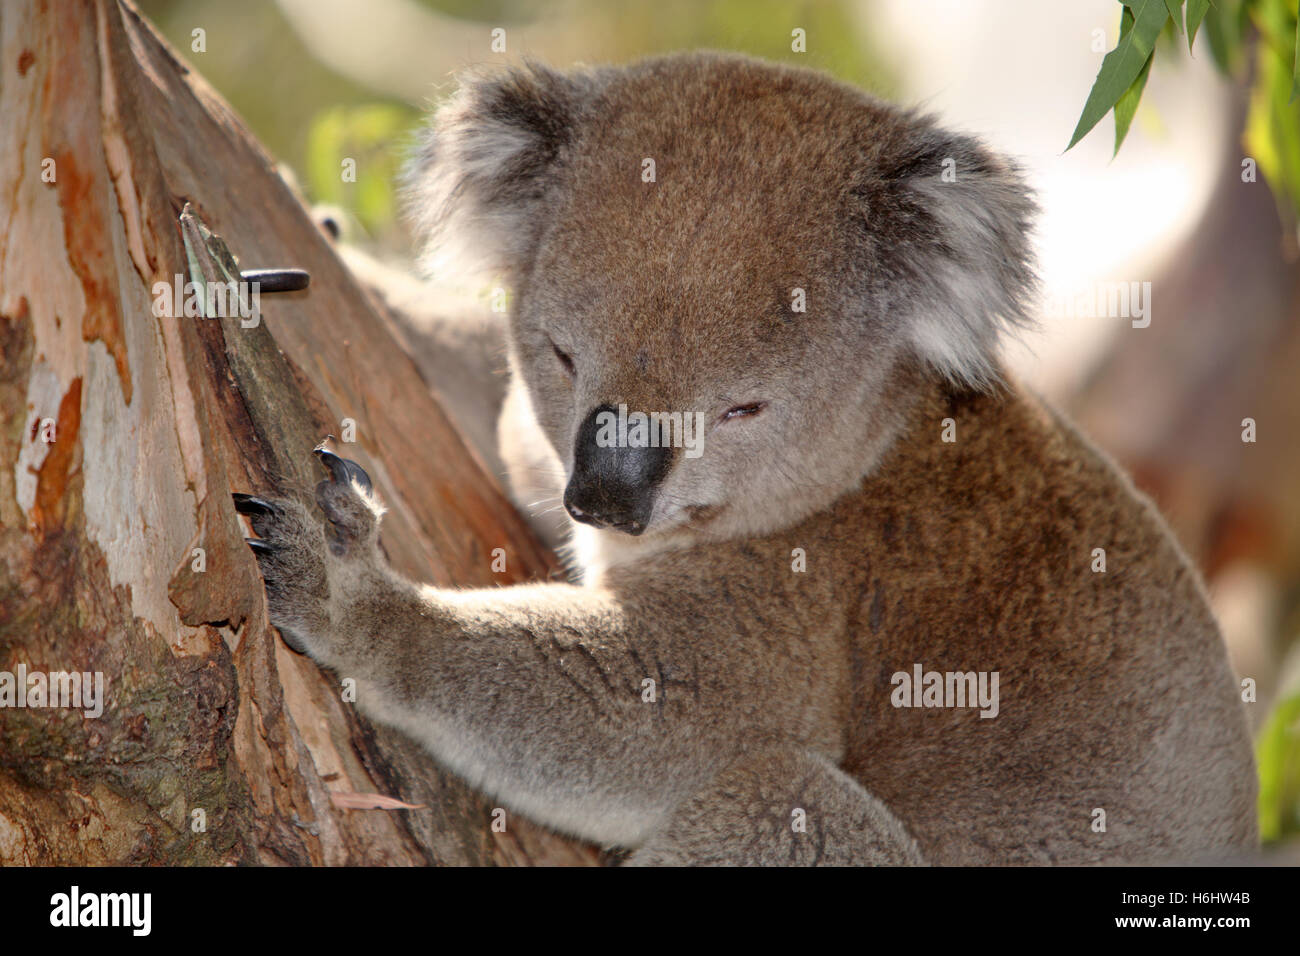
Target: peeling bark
[[155, 420]]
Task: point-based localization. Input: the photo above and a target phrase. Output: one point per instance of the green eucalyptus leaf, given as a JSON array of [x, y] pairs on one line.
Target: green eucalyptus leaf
[[1277, 754], [1122, 66], [1175, 8], [1295, 62], [1273, 121], [1128, 104], [1196, 10]]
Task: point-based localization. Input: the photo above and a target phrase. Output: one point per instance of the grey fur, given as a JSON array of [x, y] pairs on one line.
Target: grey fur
[[771, 686]]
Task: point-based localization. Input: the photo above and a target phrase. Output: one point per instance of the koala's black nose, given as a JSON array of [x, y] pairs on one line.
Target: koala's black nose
[[613, 483]]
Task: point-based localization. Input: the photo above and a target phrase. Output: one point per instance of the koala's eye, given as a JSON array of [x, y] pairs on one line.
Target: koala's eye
[[743, 411], [565, 360]]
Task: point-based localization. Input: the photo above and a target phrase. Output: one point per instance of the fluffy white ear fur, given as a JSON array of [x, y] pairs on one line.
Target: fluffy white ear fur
[[477, 185], [975, 280], [956, 248]]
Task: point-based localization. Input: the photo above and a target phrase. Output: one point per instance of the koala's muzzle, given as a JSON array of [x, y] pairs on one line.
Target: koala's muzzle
[[613, 483]]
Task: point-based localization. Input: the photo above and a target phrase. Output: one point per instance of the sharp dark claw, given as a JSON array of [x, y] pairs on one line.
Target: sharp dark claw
[[343, 470], [248, 505], [332, 462], [259, 546]]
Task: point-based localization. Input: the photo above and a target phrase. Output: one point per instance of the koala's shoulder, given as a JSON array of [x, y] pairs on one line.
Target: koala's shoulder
[[1012, 459], [993, 499]]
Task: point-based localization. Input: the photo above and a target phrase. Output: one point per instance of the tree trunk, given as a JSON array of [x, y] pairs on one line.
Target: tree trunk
[[1172, 401], [122, 435]]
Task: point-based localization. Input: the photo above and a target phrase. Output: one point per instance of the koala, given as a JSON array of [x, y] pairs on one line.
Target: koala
[[770, 651]]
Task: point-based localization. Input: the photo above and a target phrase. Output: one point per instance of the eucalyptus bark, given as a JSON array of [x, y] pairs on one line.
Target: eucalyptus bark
[[122, 435]]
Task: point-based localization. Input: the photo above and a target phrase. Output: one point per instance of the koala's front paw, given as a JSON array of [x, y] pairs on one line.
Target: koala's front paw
[[348, 500], [290, 550], [295, 552]]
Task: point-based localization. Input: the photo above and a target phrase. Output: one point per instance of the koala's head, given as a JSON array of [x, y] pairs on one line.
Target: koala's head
[[768, 253]]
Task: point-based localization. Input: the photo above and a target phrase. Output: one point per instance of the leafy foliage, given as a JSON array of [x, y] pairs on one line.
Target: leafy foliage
[[1235, 28], [1273, 123], [364, 134], [1277, 751], [1264, 34], [1124, 70]]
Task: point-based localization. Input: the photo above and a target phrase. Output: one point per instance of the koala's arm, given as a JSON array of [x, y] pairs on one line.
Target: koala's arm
[[519, 688], [534, 693], [600, 710]]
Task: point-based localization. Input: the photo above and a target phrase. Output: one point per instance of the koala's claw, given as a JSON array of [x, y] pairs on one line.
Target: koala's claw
[[347, 499], [291, 554], [261, 513], [259, 546], [291, 558], [249, 505], [342, 470]]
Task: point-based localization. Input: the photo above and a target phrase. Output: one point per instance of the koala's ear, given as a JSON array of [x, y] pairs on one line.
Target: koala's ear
[[949, 224], [480, 181]]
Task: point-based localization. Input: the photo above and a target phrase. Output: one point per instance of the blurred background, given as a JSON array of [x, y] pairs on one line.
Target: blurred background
[[1200, 202]]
